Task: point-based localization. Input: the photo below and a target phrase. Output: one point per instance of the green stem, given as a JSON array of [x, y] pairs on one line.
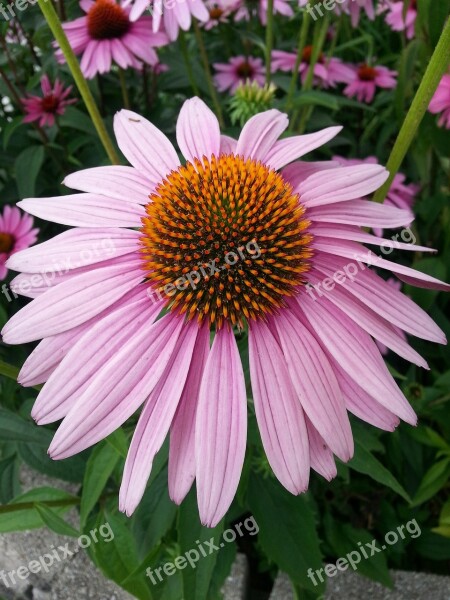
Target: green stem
[[123, 87], [318, 43], [58, 32], [306, 20], [187, 62], [436, 68], [269, 40], [207, 69]]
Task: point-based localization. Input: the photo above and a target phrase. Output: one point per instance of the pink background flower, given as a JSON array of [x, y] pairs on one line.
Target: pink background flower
[[238, 70], [16, 233], [440, 102], [366, 79], [45, 108]]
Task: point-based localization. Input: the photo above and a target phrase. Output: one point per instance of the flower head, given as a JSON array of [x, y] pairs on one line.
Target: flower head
[[52, 103], [239, 69], [175, 15], [107, 34], [219, 11], [398, 19], [367, 79], [250, 99], [242, 237], [16, 233], [440, 103], [328, 72]]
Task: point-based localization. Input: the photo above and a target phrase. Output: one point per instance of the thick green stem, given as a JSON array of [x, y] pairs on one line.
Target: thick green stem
[[58, 32], [306, 20], [207, 69], [436, 68], [187, 62], [269, 40]]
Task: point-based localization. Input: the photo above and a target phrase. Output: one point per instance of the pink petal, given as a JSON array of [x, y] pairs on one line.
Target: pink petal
[[120, 386], [72, 302], [198, 131], [145, 146], [322, 459], [316, 384], [182, 432], [286, 151], [278, 411], [85, 210], [155, 420], [362, 213], [260, 133], [220, 429], [120, 183]]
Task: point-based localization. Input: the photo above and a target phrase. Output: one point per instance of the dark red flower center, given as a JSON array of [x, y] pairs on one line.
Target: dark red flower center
[[215, 13], [50, 103], [366, 73], [6, 242], [245, 70], [107, 20], [307, 55]]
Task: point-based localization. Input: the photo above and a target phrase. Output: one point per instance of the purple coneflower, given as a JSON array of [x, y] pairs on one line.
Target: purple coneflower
[[51, 104], [241, 237]]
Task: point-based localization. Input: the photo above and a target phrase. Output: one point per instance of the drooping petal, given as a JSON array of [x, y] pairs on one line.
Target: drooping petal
[[316, 384], [155, 420], [220, 429], [182, 431], [120, 386], [322, 459], [278, 411]]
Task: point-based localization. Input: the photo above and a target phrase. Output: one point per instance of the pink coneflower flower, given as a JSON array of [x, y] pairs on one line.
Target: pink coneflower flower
[[440, 102], [175, 15], [398, 20], [219, 12], [234, 239], [248, 8], [366, 79], [238, 69], [16, 233], [328, 72], [106, 35], [354, 9], [51, 104]]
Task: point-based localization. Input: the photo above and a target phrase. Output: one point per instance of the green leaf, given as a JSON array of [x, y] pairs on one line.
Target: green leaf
[[27, 167], [99, 468], [76, 119], [9, 479], [54, 521], [287, 529], [118, 557], [345, 539], [14, 428], [191, 536], [365, 462], [434, 480], [70, 469], [21, 513]]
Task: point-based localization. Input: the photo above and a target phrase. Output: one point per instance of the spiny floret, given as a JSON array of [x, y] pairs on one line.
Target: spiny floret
[[225, 239]]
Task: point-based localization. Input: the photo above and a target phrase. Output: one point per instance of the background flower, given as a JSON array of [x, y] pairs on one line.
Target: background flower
[[16, 233], [51, 104], [440, 104], [238, 70], [366, 79]]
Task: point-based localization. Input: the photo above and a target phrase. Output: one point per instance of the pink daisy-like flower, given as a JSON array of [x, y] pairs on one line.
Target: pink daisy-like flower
[[106, 35], [219, 12], [16, 233], [354, 9], [236, 238], [238, 69], [440, 102], [45, 108], [366, 79], [328, 72], [175, 14], [397, 19], [247, 8]]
